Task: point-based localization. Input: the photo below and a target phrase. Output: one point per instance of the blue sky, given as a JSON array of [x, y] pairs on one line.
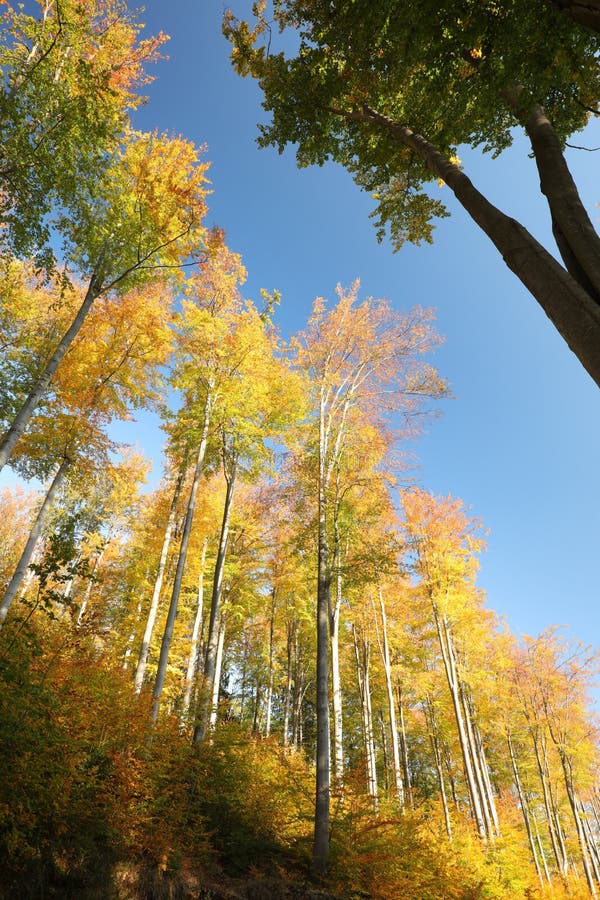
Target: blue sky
[[519, 443]]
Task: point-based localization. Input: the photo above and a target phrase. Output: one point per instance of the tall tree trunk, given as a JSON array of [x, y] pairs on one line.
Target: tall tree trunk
[[269, 697], [404, 746], [541, 850], [287, 706], [573, 802], [216, 683], [479, 763], [336, 684], [158, 582], [446, 648], [568, 305], [431, 720], [384, 750], [88, 591], [34, 535], [183, 548], [362, 651], [524, 808], [194, 656], [320, 855], [552, 820], [215, 606], [10, 438], [387, 667]]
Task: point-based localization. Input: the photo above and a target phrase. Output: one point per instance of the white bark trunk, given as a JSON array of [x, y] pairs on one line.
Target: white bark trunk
[[34, 536], [158, 582]]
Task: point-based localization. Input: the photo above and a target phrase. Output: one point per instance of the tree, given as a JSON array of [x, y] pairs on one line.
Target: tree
[[363, 357], [70, 73], [144, 216], [390, 91]]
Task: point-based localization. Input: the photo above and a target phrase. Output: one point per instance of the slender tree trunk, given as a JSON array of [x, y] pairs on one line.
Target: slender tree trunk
[[194, 657], [336, 695], [590, 842], [185, 539], [9, 440], [480, 765], [34, 535], [453, 684], [387, 667], [362, 651], [256, 712], [215, 605], [437, 755], [524, 808], [269, 697], [334, 633], [287, 706], [541, 850], [320, 856], [568, 305], [216, 684], [573, 802], [88, 590], [158, 582], [404, 746], [384, 750]]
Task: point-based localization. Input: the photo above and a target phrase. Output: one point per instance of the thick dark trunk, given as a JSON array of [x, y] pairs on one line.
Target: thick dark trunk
[[583, 12], [567, 304]]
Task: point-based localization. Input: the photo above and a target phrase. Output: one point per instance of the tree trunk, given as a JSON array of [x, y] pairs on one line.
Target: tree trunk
[[287, 706], [583, 12], [385, 655], [453, 684], [194, 657], [336, 688], [216, 684], [215, 606], [362, 651], [269, 698], [152, 612], [480, 763], [573, 802], [431, 720], [567, 304], [185, 538], [7, 444], [404, 747], [34, 535], [320, 855], [90, 584], [524, 808]]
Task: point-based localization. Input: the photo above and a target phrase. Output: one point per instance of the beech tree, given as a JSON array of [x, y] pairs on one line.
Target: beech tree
[[357, 356], [70, 74], [390, 91], [143, 216]]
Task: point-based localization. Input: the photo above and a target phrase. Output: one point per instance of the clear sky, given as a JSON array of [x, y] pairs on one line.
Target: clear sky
[[520, 442]]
